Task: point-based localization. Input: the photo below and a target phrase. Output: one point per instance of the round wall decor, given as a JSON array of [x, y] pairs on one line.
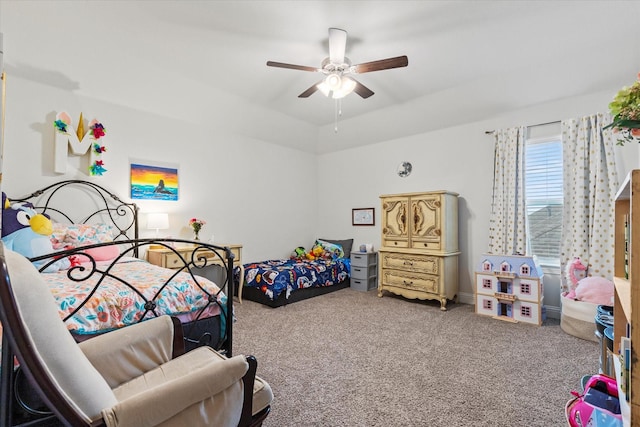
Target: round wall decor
[[404, 169]]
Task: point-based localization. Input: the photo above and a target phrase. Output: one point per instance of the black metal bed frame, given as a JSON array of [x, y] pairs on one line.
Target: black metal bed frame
[[124, 217]]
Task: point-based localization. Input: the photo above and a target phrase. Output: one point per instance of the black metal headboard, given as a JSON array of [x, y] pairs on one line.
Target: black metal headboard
[[84, 202]]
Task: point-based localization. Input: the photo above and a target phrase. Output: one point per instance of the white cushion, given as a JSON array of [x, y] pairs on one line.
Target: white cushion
[[51, 341]]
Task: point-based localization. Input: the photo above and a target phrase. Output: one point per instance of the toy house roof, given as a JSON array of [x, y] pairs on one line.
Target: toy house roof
[[515, 261]]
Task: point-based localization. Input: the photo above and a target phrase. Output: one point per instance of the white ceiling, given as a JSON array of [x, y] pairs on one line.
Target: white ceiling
[[468, 60]]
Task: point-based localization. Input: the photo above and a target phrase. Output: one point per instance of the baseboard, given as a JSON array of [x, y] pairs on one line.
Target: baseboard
[[553, 312], [464, 298]]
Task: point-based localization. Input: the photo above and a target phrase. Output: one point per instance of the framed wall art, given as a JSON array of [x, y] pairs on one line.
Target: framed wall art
[[363, 216], [154, 182]]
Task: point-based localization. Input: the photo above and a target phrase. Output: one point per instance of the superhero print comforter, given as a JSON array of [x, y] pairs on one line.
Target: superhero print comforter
[[273, 277]]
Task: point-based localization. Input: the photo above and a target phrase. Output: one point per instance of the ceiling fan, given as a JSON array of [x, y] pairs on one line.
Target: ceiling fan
[[337, 69]]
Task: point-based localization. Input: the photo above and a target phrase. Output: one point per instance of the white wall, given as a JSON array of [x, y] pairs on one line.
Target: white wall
[[248, 190], [459, 159]]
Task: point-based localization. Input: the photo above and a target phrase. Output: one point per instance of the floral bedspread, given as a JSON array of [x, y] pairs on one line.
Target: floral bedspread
[[285, 275], [115, 305]]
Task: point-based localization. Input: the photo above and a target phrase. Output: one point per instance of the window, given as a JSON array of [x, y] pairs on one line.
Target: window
[[505, 287], [486, 283], [525, 288], [544, 197], [525, 311], [487, 304], [524, 270]]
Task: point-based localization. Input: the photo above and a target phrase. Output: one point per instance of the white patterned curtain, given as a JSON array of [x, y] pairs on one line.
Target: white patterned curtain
[[590, 185], [507, 223]]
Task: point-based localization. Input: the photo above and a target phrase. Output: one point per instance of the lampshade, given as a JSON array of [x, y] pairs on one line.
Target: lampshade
[[336, 86], [157, 221]]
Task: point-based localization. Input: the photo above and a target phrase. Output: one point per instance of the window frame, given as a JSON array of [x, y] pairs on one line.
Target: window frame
[[550, 263]]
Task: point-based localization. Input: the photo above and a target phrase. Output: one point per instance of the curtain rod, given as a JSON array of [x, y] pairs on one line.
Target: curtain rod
[[491, 132]]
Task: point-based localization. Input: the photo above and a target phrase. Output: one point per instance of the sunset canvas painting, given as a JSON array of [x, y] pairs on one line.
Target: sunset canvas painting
[[154, 182]]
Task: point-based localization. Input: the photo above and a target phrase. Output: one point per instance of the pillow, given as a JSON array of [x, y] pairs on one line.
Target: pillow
[[103, 253], [334, 251], [76, 235], [57, 236], [346, 245]]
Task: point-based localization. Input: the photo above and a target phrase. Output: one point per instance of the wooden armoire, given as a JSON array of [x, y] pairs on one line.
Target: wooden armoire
[[418, 257]]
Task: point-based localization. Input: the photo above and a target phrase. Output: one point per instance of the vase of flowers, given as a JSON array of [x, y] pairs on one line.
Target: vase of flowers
[[196, 224], [625, 109]]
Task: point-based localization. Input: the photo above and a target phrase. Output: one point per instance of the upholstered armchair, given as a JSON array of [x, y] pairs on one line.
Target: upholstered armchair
[[136, 376]]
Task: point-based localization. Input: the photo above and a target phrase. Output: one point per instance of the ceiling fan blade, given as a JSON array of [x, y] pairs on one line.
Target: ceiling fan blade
[[362, 90], [291, 66], [382, 64], [307, 93], [337, 45]]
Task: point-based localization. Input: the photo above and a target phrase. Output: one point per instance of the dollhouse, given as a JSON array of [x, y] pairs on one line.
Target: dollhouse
[[510, 287]]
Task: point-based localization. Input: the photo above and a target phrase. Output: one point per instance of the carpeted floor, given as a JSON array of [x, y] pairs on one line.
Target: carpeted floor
[[350, 358]]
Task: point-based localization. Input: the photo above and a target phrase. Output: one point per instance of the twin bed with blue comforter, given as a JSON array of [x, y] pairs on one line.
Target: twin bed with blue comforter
[[278, 282]]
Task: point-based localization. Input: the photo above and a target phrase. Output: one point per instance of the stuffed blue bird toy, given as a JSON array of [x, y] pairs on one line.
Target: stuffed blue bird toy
[[27, 232]]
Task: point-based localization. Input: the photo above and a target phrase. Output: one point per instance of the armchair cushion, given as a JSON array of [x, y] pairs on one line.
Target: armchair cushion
[[193, 384], [262, 392], [262, 395], [129, 352]]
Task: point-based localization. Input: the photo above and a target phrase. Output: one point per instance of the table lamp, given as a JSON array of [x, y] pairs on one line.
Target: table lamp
[[157, 221]]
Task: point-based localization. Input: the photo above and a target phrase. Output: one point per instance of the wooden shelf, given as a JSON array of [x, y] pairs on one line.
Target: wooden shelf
[[626, 310], [623, 289]]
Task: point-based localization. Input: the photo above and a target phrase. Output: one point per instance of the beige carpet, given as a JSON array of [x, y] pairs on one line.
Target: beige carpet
[[352, 359]]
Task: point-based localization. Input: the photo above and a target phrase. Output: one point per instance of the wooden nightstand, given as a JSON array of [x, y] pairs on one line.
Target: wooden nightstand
[[167, 258]]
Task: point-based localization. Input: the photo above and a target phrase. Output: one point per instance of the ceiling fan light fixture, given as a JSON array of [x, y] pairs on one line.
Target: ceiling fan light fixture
[[347, 86], [336, 87], [322, 87], [333, 82]]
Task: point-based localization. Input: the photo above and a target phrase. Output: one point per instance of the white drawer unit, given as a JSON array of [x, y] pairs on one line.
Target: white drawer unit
[[364, 270]]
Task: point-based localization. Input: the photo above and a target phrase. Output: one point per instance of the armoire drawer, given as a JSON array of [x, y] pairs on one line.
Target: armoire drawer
[[415, 281], [433, 245], [411, 262]]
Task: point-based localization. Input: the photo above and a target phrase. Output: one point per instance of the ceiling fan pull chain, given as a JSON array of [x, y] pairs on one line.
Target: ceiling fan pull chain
[[337, 113]]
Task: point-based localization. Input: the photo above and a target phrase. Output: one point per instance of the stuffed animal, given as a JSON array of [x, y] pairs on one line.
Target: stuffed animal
[[596, 290], [27, 232], [315, 253], [572, 280], [298, 253]]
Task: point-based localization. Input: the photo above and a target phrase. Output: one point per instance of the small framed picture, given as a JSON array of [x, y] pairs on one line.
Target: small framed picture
[[363, 216]]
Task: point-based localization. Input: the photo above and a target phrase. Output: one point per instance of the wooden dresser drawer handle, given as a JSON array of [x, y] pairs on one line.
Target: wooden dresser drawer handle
[[410, 263], [407, 283]]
